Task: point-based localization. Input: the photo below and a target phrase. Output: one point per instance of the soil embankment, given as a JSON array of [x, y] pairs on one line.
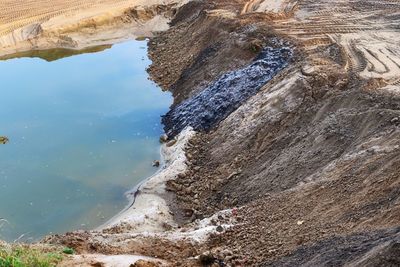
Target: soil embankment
[[296, 158], [310, 162]]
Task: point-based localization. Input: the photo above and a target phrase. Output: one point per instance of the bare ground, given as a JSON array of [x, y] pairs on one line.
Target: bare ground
[[306, 171], [311, 161]]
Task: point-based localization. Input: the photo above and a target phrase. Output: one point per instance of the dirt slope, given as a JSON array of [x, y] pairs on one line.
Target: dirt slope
[[302, 170], [311, 160]]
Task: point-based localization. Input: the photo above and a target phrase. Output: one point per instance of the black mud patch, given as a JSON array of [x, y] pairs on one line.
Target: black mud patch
[[213, 104]]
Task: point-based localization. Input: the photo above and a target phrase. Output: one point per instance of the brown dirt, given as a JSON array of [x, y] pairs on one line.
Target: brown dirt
[[314, 167], [309, 165]]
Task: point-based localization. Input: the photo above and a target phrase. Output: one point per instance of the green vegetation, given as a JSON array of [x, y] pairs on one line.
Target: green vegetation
[[68, 251], [27, 256]]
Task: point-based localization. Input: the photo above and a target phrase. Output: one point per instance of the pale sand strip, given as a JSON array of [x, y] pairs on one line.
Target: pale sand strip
[[150, 211]]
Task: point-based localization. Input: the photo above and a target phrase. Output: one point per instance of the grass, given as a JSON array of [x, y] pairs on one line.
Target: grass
[[28, 256]]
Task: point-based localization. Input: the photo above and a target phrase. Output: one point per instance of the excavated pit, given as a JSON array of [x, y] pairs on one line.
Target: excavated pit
[[303, 150]]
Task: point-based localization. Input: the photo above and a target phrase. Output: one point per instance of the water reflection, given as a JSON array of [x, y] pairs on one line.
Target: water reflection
[[83, 130], [55, 54]]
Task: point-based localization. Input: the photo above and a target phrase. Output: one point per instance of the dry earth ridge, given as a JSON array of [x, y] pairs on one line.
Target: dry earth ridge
[[304, 172]]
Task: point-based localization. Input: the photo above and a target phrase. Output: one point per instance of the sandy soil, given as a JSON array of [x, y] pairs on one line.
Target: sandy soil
[[149, 211], [44, 24]]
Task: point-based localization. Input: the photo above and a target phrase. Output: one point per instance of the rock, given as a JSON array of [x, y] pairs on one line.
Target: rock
[[163, 138], [188, 190], [4, 140], [143, 263], [171, 143], [227, 252], [219, 229], [167, 226], [156, 163], [188, 212], [199, 216], [181, 175], [206, 258]]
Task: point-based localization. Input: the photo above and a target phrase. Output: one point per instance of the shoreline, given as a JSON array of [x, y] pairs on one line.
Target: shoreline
[[148, 210]]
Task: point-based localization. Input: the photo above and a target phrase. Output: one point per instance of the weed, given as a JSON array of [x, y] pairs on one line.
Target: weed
[[27, 256]]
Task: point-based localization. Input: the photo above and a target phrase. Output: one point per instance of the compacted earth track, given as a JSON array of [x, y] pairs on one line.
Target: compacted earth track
[[284, 140]]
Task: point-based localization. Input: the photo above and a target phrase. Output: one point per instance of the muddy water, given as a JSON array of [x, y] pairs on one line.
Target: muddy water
[[83, 130]]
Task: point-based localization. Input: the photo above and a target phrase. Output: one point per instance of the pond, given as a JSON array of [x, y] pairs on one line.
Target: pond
[[83, 130]]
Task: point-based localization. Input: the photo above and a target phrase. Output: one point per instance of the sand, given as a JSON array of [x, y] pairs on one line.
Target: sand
[[150, 212], [44, 24]]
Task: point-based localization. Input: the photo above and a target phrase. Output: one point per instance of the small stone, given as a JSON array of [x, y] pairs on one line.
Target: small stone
[[219, 229], [156, 163], [4, 140], [172, 143], [167, 226], [199, 216], [143, 263], [300, 222], [227, 252], [395, 120], [188, 212], [206, 259], [163, 138], [181, 175]]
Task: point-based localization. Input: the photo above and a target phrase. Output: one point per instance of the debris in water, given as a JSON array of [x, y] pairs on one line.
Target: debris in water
[[4, 140], [156, 163]]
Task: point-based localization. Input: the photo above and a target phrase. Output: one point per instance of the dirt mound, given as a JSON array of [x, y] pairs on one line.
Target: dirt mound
[[310, 160]]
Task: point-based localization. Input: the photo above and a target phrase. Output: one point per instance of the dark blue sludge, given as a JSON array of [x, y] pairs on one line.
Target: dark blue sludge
[[226, 94]]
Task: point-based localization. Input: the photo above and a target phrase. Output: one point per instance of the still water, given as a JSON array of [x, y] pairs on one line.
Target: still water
[[83, 130]]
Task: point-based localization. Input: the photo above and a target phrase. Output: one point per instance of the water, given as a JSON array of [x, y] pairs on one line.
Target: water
[[83, 130]]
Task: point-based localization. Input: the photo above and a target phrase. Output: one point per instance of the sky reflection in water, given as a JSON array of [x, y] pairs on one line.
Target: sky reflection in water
[[83, 130]]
